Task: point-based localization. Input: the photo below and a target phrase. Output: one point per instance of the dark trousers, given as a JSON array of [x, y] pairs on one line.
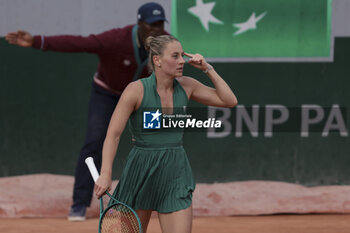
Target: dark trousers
[[101, 107]]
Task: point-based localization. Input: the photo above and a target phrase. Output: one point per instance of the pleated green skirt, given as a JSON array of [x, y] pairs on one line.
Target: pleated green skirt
[[157, 179]]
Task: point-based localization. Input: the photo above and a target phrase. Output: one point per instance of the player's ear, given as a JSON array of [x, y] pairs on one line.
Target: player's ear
[[156, 60]]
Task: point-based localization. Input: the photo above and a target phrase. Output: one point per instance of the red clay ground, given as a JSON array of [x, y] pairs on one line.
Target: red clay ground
[[248, 224], [50, 196]]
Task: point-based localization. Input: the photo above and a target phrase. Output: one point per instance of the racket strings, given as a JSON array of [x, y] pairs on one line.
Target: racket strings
[[119, 219]]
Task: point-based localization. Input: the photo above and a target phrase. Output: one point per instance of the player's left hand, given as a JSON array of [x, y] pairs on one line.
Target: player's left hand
[[197, 61]]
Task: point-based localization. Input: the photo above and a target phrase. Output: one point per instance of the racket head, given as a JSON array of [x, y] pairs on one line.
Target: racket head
[[119, 218]]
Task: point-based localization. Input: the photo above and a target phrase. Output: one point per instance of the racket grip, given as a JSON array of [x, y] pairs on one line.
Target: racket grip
[[92, 168]]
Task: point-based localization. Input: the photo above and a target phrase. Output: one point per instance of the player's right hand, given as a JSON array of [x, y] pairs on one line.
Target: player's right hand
[[102, 185], [20, 38]]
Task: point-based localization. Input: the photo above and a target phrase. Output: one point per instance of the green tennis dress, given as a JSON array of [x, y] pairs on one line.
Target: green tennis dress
[[157, 174]]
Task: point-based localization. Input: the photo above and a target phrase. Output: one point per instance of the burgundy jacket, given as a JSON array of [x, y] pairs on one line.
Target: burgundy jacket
[[119, 58]]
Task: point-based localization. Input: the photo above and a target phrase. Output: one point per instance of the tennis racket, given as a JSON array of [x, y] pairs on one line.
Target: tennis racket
[[118, 217]]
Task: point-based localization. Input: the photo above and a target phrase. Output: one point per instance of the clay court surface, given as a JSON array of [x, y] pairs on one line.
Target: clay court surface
[[244, 224]]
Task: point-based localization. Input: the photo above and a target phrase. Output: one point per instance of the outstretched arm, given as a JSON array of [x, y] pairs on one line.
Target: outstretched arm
[[220, 96], [66, 43], [126, 105]]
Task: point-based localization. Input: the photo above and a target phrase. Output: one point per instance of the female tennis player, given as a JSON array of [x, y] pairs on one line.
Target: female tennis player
[[157, 175]]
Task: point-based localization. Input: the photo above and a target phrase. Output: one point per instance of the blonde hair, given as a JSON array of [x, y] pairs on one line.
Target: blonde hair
[[156, 45]]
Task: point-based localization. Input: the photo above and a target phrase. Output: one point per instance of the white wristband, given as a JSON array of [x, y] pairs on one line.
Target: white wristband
[[210, 67], [42, 42]]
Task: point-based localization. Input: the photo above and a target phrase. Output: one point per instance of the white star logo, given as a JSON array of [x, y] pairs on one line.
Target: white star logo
[[156, 115], [203, 12], [250, 24]]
